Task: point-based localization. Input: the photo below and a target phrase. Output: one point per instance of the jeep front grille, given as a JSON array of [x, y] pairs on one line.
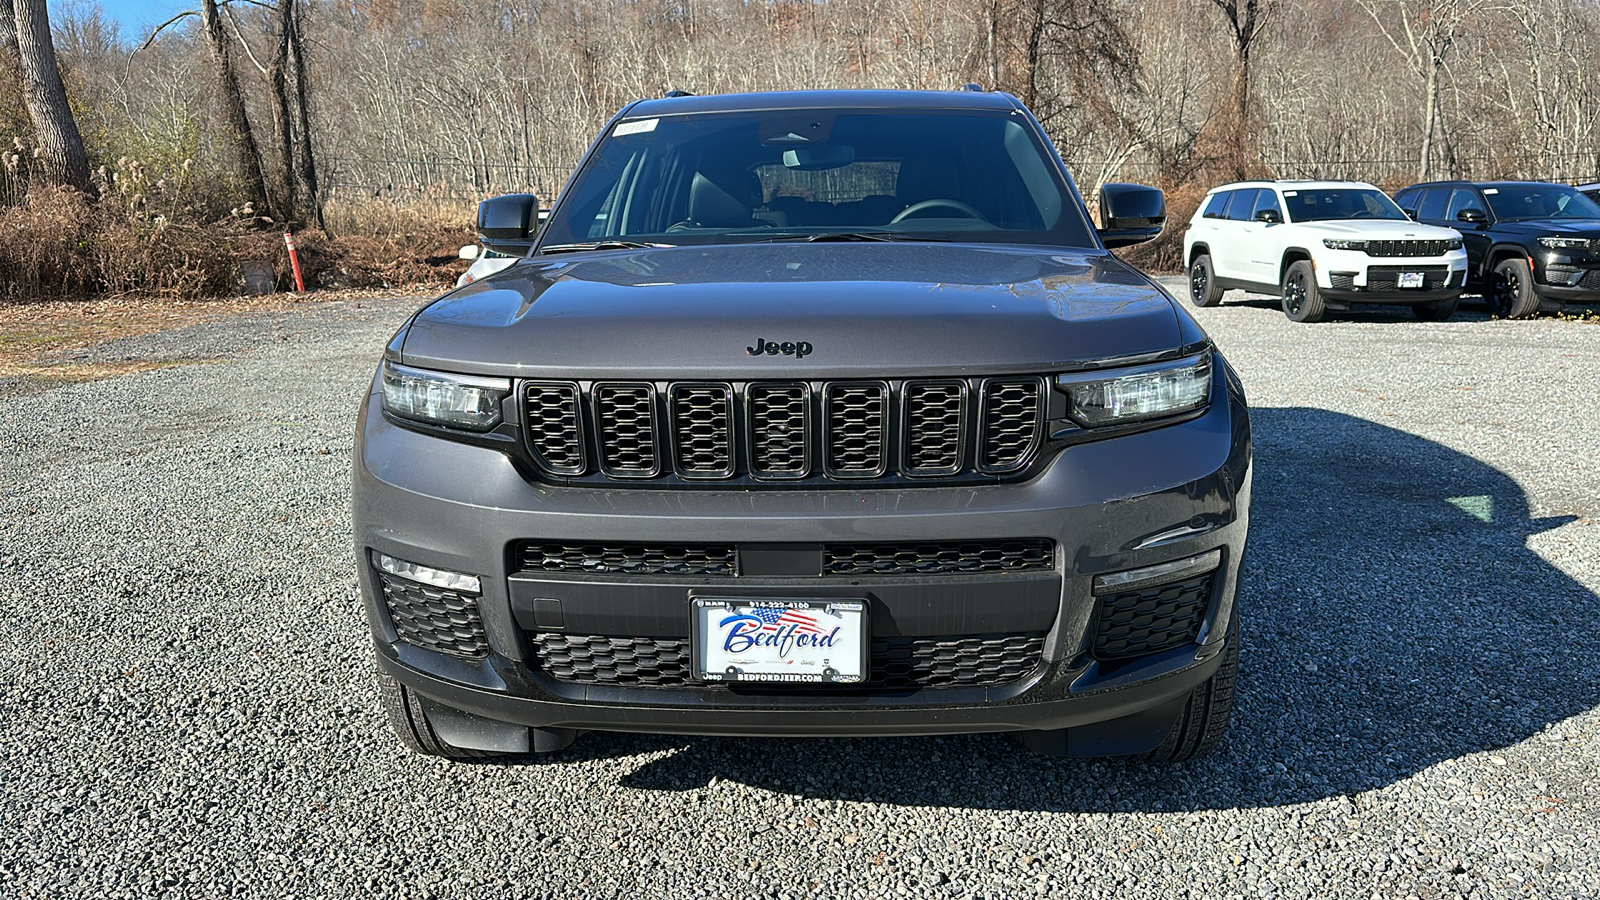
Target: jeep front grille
[[1387, 278], [774, 431], [1402, 249]]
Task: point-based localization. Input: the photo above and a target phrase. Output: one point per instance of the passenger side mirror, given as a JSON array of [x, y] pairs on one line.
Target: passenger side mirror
[[1269, 216], [470, 251], [1130, 214], [1471, 214], [509, 221]]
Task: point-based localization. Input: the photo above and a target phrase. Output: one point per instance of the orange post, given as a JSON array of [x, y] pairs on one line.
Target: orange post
[[294, 262]]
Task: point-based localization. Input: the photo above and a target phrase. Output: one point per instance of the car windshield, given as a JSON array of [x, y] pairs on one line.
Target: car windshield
[[1511, 202], [939, 175], [1322, 204]]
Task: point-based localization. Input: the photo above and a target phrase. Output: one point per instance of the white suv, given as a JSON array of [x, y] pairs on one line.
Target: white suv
[[1321, 245]]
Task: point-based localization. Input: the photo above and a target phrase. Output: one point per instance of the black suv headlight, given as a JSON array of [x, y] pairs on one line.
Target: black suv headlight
[[1557, 242], [470, 402], [1138, 393]]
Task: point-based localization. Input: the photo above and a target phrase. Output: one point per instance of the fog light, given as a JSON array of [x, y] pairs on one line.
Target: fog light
[[1176, 570], [439, 578]]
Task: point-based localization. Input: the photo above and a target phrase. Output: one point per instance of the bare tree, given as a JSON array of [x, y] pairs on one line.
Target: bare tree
[[1423, 31], [288, 80], [63, 157], [1246, 20]]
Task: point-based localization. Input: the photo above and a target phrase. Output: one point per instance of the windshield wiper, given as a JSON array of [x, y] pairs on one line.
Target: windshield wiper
[[843, 236], [599, 245]]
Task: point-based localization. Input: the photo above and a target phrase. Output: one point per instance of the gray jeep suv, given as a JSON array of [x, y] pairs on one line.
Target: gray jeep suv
[[808, 414]]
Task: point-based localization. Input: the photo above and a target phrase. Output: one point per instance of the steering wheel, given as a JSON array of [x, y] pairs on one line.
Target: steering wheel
[[937, 203]]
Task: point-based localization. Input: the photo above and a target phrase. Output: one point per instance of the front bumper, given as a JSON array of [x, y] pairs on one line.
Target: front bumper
[[1108, 506], [1353, 276], [1567, 277]]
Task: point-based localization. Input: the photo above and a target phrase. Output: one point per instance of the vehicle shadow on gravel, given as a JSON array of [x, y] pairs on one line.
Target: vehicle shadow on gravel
[[1394, 618]]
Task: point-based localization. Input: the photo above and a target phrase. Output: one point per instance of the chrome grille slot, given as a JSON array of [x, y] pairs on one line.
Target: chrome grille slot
[[855, 419], [1009, 424], [933, 427], [779, 426], [702, 430], [625, 417]]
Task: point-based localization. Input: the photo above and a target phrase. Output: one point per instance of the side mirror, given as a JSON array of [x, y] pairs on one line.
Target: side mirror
[[1130, 214], [1269, 216], [470, 251], [1410, 214], [510, 221], [1472, 214]]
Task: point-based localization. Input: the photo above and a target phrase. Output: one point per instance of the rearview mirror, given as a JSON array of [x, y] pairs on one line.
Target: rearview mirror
[[817, 157], [1472, 214], [1130, 214]]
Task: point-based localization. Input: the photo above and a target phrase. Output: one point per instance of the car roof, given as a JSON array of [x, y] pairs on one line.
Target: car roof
[[1483, 184], [852, 99], [1291, 184]]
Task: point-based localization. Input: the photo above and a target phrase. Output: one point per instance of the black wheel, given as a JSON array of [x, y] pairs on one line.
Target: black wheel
[[1302, 302], [410, 722], [1511, 293], [1203, 287], [1436, 312], [1205, 717]]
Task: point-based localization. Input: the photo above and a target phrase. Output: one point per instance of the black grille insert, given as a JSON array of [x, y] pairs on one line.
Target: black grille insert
[[1395, 249], [434, 618], [897, 662], [1387, 278], [939, 557], [626, 559], [785, 431], [1149, 620]]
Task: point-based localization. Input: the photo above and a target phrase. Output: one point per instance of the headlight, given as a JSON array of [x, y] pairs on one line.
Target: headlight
[[1453, 244], [1565, 243], [1343, 244], [1139, 393], [458, 401]]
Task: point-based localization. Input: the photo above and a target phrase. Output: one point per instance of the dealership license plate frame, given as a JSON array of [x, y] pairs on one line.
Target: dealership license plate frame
[[1412, 280], [813, 667]]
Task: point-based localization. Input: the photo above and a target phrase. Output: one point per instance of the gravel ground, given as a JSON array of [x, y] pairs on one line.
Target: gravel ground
[[187, 706]]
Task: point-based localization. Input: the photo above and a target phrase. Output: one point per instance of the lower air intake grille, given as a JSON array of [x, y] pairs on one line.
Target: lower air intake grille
[[627, 559], [898, 662], [1387, 278], [434, 618], [939, 558], [1149, 620]]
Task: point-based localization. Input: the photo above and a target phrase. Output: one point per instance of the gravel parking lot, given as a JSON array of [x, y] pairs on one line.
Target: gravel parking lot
[[187, 706]]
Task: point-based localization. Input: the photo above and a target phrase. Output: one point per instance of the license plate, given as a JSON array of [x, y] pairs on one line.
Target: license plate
[[1411, 279], [779, 641]]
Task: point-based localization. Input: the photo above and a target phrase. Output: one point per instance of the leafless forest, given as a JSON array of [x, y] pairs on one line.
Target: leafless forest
[[385, 120]]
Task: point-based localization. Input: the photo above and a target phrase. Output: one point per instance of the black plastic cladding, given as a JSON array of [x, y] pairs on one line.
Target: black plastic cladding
[[911, 430]]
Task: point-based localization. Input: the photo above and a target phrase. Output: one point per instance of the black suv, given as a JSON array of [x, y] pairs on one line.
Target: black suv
[[1530, 245], [808, 414]]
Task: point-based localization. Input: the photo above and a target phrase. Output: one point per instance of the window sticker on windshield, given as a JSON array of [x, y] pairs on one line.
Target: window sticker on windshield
[[1291, 193], [1491, 190], [638, 127]]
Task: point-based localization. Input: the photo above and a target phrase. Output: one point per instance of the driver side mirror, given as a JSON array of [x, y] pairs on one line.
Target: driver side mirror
[[509, 221], [1130, 214], [1472, 214], [1269, 216]]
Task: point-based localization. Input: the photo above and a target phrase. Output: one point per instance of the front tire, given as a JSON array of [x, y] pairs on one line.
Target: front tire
[[1203, 288], [1205, 717], [1436, 312], [410, 722], [1302, 301], [1511, 293]]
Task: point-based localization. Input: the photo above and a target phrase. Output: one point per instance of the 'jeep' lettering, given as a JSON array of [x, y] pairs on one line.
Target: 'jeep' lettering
[[796, 349]]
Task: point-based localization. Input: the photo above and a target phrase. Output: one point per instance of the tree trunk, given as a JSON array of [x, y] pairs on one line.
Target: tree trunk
[[46, 97], [246, 155], [305, 161], [1429, 118]]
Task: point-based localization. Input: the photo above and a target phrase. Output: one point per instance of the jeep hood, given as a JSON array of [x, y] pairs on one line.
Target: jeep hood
[[867, 309], [1381, 230]]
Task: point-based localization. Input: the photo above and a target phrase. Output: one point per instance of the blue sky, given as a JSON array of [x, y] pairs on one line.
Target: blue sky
[[138, 16]]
